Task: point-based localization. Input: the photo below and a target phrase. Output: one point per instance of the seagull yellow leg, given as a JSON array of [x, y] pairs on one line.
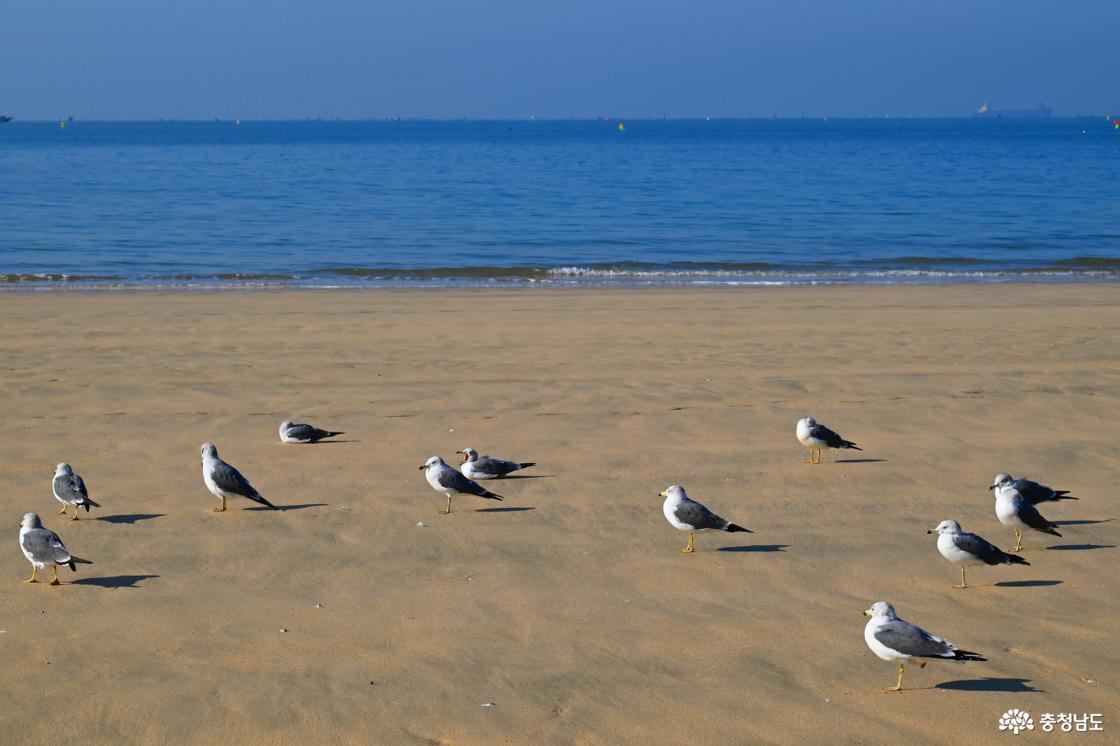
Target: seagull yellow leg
[[63, 511], [223, 505], [1018, 541], [689, 549], [55, 580], [963, 584], [447, 510], [810, 459], [75, 516], [34, 572], [898, 686]]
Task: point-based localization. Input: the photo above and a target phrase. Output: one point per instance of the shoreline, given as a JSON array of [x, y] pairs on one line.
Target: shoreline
[[988, 280]]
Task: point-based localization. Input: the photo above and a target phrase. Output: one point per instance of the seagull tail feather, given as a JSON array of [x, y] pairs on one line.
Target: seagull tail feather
[[491, 495], [967, 655], [1064, 495], [1014, 559], [1050, 530], [526, 465], [261, 499], [850, 445], [331, 434], [90, 504], [78, 560], [732, 528]]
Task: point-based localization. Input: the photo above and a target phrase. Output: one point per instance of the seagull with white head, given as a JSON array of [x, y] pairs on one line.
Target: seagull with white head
[[895, 639], [448, 481]]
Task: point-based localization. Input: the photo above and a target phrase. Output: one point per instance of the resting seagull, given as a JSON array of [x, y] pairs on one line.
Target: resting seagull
[[484, 467], [894, 639], [969, 549], [1032, 492], [815, 436], [70, 489], [42, 547], [1015, 512], [295, 432], [688, 515], [224, 481], [449, 481]]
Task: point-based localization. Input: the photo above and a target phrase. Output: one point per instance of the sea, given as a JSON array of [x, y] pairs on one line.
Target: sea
[[597, 202]]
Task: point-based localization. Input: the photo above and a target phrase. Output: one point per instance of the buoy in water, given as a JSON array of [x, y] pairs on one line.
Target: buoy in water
[[621, 127]]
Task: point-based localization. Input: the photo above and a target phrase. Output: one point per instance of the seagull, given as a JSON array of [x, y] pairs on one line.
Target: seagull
[[688, 515], [892, 639], [70, 489], [815, 437], [42, 547], [224, 481], [1032, 492], [295, 432], [484, 467], [1017, 513], [969, 549], [449, 481]]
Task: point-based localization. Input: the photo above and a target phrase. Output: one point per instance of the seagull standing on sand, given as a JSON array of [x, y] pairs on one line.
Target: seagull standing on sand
[[1032, 492], [295, 432], [42, 547], [449, 481], [1015, 512], [70, 489], [815, 436], [963, 548], [224, 481], [484, 467], [688, 515], [894, 639]]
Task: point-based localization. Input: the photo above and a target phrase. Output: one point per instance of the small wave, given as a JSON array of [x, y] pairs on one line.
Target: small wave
[[56, 277], [904, 270]]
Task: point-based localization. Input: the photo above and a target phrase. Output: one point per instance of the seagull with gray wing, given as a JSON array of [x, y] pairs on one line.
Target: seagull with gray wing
[[484, 467], [225, 482], [70, 489], [42, 547], [1032, 492], [964, 548], [686, 514], [1015, 512], [449, 481], [894, 639], [816, 436], [297, 432]]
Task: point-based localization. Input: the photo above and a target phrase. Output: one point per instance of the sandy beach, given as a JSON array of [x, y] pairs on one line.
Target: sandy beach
[[567, 606]]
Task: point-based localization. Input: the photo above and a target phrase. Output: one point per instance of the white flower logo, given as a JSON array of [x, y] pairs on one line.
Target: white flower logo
[[1016, 720]]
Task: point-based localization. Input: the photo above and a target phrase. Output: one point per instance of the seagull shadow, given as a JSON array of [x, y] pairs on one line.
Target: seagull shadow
[[283, 508], [859, 461], [527, 476], [503, 510], [130, 517], [1081, 523], [1082, 547], [755, 548], [989, 684], [326, 442], [1027, 583], [114, 581]]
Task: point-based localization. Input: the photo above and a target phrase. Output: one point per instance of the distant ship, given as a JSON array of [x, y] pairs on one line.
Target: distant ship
[[1027, 112], [4, 118]]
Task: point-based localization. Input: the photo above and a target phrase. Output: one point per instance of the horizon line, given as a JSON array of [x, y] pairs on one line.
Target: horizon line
[[532, 118]]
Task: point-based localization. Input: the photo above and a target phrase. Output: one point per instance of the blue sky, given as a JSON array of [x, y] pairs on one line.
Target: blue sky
[[115, 59]]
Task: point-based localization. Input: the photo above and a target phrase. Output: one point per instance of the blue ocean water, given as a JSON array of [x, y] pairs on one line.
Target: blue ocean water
[[338, 203]]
